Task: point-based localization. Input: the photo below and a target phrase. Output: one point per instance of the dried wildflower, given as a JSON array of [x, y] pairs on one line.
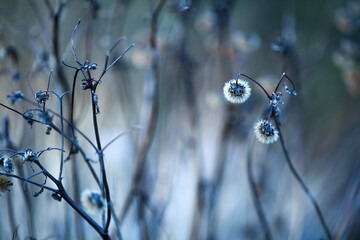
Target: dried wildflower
[[15, 97], [28, 117], [5, 184], [41, 96], [8, 165], [44, 117], [30, 155], [56, 196], [85, 84], [48, 129], [92, 201], [237, 90], [290, 92], [276, 99], [265, 132]]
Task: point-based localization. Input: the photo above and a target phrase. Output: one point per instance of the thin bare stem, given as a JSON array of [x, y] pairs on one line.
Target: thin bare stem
[[29, 181], [62, 136], [72, 43], [284, 76], [104, 184], [72, 140], [303, 185], [62, 192], [121, 134], [241, 74], [115, 61]]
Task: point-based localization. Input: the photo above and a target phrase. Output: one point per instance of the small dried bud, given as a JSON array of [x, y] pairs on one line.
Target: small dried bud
[[56, 197], [92, 66], [28, 117], [5, 184], [92, 201], [276, 99], [41, 96], [85, 85], [44, 117], [30, 155], [237, 90], [48, 129], [15, 97], [96, 101], [8, 165], [289, 91], [265, 132]]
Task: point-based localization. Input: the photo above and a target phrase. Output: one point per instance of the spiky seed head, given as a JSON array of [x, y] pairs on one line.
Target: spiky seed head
[[265, 132], [5, 184], [237, 90], [92, 201]]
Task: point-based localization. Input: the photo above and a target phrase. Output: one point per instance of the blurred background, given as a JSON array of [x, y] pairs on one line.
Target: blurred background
[[194, 183]]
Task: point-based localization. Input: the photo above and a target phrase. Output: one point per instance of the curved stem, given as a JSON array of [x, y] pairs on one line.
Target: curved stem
[[255, 195], [241, 74], [62, 139], [302, 184], [281, 79], [72, 102]]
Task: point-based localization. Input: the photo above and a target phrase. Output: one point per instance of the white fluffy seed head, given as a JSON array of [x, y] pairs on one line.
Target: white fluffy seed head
[[265, 132], [5, 185], [237, 90], [92, 201]]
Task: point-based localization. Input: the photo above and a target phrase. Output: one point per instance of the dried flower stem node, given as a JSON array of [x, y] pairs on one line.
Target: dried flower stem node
[[237, 90], [92, 201], [5, 185], [265, 132]]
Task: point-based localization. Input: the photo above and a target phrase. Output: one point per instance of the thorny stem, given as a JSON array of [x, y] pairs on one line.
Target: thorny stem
[[302, 184], [254, 192]]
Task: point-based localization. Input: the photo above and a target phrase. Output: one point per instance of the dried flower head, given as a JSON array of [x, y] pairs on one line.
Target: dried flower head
[[237, 90], [5, 184], [8, 165], [28, 117], [265, 132], [276, 99], [15, 97], [30, 155], [41, 96], [92, 201]]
